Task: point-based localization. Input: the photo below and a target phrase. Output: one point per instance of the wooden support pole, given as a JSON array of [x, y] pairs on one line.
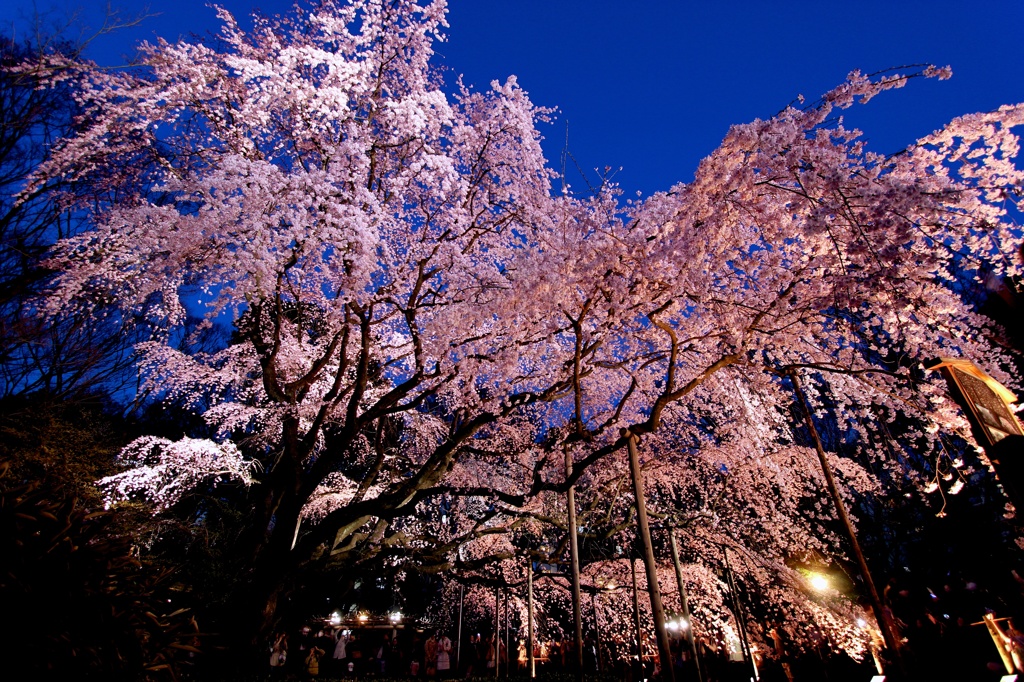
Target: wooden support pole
[[597, 631], [741, 618], [529, 618], [574, 569], [458, 645], [881, 617], [508, 657], [636, 611], [684, 603], [496, 638], [999, 639], [651, 566]]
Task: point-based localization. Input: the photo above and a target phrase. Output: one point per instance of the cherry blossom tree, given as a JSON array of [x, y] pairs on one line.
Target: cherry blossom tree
[[796, 249], [309, 183], [409, 313]]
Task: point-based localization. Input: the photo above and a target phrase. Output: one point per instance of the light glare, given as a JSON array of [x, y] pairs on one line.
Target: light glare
[[819, 582]]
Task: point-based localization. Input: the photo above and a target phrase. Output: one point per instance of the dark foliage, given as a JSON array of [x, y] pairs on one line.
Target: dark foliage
[[83, 605]]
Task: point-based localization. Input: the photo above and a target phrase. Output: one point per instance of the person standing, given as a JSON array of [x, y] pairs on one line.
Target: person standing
[[313, 660], [415, 655], [393, 657], [278, 653], [354, 649], [444, 648], [496, 654], [469, 658], [430, 656], [340, 652], [382, 653]]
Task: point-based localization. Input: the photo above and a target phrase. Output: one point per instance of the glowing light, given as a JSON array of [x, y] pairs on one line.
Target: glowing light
[[818, 582], [336, 618], [363, 617], [677, 624], [861, 623], [396, 617]]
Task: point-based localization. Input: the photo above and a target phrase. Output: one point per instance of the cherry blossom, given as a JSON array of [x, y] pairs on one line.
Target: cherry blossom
[[410, 313], [161, 471]]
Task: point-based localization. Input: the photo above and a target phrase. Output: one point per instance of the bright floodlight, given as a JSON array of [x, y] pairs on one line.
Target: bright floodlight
[[818, 582]]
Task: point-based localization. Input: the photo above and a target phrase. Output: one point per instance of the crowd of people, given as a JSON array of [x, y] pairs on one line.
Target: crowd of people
[[930, 623], [340, 652]]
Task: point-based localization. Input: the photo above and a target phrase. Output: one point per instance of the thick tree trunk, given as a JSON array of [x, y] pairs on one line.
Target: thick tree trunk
[[274, 525], [271, 571]]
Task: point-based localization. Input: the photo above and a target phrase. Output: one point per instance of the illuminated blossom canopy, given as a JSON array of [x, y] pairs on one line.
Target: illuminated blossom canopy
[[412, 312]]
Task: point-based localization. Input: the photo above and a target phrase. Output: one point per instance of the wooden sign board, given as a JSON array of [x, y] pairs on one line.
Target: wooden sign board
[[986, 401], [991, 411]]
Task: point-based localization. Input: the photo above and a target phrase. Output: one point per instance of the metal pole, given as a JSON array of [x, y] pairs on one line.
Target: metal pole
[[529, 618], [830, 482], [684, 603], [644, 530], [574, 562], [458, 645]]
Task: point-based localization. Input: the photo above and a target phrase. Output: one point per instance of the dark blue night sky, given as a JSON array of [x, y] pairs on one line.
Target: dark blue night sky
[[652, 87]]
